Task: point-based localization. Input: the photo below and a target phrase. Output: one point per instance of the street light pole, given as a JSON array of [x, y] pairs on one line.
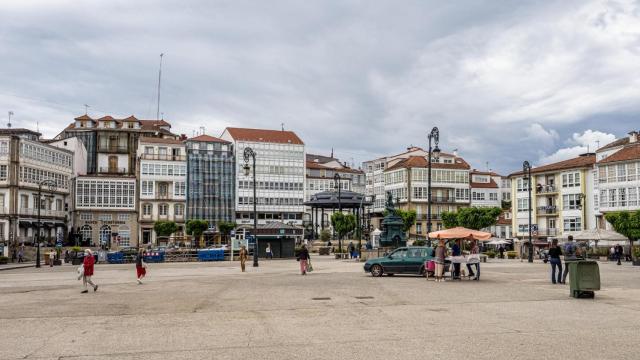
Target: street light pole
[[338, 185], [249, 153], [434, 153], [526, 168], [52, 185]]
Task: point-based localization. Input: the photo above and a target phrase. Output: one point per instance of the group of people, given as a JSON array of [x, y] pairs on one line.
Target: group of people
[[473, 260], [87, 269], [617, 252], [571, 253]]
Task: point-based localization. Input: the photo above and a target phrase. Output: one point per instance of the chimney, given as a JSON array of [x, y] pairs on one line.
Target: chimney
[[633, 137]]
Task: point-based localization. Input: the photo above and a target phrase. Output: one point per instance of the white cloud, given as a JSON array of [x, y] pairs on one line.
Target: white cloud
[[582, 143]]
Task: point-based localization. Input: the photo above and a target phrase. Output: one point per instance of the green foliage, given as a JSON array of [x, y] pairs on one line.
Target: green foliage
[[165, 228], [225, 227], [325, 235], [4, 260], [626, 223], [511, 254], [76, 248], [419, 242], [408, 218], [343, 223], [196, 227], [491, 254], [471, 218], [636, 251], [506, 204]]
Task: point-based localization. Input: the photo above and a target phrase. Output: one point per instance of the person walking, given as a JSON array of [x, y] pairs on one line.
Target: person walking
[[474, 259], [455, 251], [554, 259], [20, 255], [141, 266], [352, 249], [501, 252], [303, 258], [439, 260], [244, 255], [269, 251], [52, 257], [619, 252], [569, 256], [87, 265]]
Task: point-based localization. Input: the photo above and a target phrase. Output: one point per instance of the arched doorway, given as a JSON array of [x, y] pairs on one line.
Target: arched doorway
[[85, 235], [105, 235]]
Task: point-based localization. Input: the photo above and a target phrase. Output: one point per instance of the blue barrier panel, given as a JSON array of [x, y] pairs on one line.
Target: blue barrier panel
[[211, 255], [154, 256], [115, 257]]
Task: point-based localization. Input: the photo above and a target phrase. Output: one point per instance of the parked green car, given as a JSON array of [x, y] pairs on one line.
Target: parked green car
[[405, 260]]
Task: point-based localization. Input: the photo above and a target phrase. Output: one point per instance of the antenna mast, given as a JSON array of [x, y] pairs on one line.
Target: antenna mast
[[9, 124], [159, 82]]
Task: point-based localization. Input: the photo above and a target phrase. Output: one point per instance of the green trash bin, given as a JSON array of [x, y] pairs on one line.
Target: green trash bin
[[584, 277]]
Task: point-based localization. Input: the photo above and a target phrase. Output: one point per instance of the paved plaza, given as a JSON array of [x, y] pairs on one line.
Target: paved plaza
[[212, 311]]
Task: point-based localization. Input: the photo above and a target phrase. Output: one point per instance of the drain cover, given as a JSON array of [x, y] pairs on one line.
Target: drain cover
[[321, 298], [364, 297]]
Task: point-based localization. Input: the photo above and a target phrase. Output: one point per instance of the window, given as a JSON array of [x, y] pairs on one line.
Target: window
[[146, 188], [148, 149], [522, 184], [146, 209], [105, 217], [418, 228], [86, 216], [179, 188], [123, 217], [622, 172], [99, 193], [162, 209], [571, 179], [523, 205], [571, 202], [632, 195], [178, 210], [85, 233], [477, 196], [573, 224], [24, 201], [622, 197], [3, 172], [4, 147], [59, 204], [493, 196], [105, 234], [124, 235]]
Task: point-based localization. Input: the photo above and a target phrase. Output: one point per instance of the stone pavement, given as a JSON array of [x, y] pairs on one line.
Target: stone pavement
[[212, 311]]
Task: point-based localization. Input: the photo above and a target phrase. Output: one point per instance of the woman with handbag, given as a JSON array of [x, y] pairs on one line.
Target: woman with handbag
[[87, 271], [141, 266]]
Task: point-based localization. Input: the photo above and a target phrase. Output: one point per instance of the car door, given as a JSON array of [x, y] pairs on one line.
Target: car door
[[394, 263], [414, 260]]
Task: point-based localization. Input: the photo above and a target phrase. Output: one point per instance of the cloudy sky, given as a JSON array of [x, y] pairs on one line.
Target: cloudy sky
[[504, 81]]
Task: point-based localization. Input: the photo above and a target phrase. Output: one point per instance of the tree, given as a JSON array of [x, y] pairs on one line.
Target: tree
[[343, 223], [225, 228], [197, 227], [165, 228], [472, 217], [626, 223], [408, 218]]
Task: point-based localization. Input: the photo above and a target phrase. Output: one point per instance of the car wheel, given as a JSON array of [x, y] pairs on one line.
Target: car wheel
[[376, 270]]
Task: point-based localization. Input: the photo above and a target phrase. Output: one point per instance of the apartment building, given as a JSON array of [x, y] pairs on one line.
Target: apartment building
[[617, 175], [487, 189], [320, 172], [24, 163], [211, 180], [562, 196], [162, 175], [280, 175], [407, 181]]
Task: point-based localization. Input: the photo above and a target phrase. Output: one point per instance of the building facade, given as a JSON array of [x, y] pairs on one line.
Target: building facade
[[280, 175], [162, 177], [562, 196], [211, 180], [24, 163], [617, 175], [407, 181]]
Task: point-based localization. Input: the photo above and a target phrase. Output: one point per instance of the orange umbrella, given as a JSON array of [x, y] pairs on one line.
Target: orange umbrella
[[460, 233]]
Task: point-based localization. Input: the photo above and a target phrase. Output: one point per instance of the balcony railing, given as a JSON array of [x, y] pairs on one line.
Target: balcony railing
[[545, 189], [546, 210], [113, 170], [168, 157], [43, 212], [113, 149], [163, 196]]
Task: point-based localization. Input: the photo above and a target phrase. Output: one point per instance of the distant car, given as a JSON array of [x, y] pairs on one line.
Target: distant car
[[405, 260]]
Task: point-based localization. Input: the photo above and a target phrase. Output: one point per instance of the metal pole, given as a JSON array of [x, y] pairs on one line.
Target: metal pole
[[255, 214], [38, 227], [530, 208], [429, 192]]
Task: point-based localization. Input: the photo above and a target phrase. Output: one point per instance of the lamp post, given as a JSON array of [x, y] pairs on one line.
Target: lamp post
[[249, 153], [338, 186], [434, 153], [526, 168], [51, 186]]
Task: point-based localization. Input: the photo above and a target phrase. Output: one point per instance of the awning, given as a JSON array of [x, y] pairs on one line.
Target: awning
[[47, 224], [460, 233], [25, 223]]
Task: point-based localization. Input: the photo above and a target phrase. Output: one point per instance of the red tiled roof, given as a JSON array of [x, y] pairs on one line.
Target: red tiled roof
[[629, 152], [317, 166], [84, 117], [582, 161], [146, 125], [108, 117], [616, 143], [421, 162], [489, 173], [490, 185], [262, 135], [503, 221], [207, 138]]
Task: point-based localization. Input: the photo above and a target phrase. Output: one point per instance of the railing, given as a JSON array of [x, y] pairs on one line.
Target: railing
[[168, 157], [113, 170], [165, 196], [545, 189], [113, 149], [43, 212], [552, 209]]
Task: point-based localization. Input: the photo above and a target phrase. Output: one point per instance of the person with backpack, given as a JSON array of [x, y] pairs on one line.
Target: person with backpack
[[87, 264], [570, 255], [554, 259], [141, 266], [303, 258]]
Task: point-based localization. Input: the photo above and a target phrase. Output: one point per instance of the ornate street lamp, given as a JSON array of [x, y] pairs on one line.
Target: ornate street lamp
[[338, 186], [434, 154], [249, 153], [526, 168], [51, 185]]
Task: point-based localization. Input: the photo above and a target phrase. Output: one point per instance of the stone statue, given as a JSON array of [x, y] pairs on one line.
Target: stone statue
[[389, 206]]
